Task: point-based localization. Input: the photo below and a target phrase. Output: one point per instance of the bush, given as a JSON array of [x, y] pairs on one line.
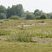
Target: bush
[[14, 17], [2, 16], [30, 16], [43, 17]]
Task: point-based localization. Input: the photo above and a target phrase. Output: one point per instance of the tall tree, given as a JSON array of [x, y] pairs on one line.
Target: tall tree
[[2, 12], [8, 12], [15, 10], [2, 9], [38, 13], [19, 10]]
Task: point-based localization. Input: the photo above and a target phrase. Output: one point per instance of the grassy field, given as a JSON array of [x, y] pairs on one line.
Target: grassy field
[[26, 35], [24, 47]]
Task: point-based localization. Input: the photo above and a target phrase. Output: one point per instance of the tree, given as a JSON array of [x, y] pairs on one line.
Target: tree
[[37, 13], [2, 12], [29, 15], [2, 16], [15, 10], [2, 9], [19, 10], [49, 15], [43, 17], [8, 12]]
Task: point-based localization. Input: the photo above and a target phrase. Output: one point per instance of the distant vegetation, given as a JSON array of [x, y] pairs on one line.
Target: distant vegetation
[[17, 11]]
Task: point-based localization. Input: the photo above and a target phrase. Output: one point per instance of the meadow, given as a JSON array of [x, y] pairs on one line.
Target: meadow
[[26, 35]]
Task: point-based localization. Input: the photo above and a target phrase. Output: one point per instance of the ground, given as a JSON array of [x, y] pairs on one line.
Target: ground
[[24, 47], [26, 35]]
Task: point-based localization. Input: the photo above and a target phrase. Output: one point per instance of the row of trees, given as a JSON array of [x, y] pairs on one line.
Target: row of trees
[[17, 11]]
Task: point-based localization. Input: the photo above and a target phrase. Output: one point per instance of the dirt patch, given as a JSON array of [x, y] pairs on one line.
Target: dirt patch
[[3, 38], [42, 40]]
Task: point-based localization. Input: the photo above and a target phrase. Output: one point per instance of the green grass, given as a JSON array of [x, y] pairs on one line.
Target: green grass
[[15, 29], [15, 37]]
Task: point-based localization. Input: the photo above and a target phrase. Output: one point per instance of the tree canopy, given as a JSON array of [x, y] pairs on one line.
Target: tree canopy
[[18, 10]]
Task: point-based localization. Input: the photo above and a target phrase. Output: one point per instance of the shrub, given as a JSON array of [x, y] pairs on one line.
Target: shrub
[[30, 16], [2, 16], [43, 17], [14, 17]]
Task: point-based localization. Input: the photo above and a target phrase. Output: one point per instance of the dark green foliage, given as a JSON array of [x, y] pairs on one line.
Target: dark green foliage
[[8, 12], [17, 10], [2, 12], [43, 17], [29, 16], [49, 15], [38, 12], [2, 16], [2, 9]]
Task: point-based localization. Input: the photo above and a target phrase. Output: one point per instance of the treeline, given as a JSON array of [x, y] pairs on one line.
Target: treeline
[[17, 12]]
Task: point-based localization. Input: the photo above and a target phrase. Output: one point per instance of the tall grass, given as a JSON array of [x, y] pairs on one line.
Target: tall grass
[[21, 36], [24, 30]]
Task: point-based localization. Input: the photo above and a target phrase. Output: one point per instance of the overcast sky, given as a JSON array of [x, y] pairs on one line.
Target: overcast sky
[[31, 5]]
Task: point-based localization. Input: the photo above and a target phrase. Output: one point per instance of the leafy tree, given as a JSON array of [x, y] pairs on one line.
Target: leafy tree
[[29, 15], [2, 16], [2, 12], [43, 17], [2, 9], [49, 15], [15, 10], [8, 12], [19, 10], [38, 13]]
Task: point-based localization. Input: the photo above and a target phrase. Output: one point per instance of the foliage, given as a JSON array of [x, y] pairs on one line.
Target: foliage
[[2, 9], [18, 10], [2, 12], [14, 17], [43, 17], [29, 15], [15, 10], [2, 16]]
